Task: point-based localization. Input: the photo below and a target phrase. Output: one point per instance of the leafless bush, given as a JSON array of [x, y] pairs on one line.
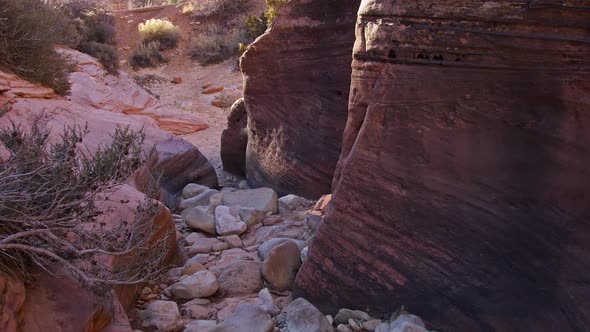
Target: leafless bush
[[52, 207]]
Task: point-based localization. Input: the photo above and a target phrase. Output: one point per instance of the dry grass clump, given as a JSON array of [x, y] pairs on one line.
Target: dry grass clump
[[160, 30], [147, 55], [51, 210]]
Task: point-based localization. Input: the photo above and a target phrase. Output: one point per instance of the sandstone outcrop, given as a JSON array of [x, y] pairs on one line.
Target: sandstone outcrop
[[462, 188], [176, 162], [297, 78], [92, 86]]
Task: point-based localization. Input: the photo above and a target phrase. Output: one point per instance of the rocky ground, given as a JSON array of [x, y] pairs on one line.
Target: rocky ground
[[244, 248]]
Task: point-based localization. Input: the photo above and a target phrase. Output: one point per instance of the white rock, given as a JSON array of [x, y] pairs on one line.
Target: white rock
[[345, 314], [247, 317], [192, 190], [200, 199], [403, 318], [227, 221], [268, 304], [408, 327], [234, 241], [243, 185], [251, 216], [200, 284], [302, 316], [203, 246], [192, 268], [383, 327], [371, 325], [268, 245], [304, 253], [343, 328], [201, 326], [194, 237], [263, 199], [200, 220], [162, 316], [292, 202]]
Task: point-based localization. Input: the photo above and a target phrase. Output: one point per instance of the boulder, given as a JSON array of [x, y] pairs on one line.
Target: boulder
[[344, 315], [263, 199], [204, 246], [193, 189], [227, 221], [246, 317], [200, 284], [200, 199], [462, 185], [201, 326], [200, 220], [291, 202], [191, 268], [234, 140], [161, 316], [251, 216], [281, 265], [241, 277], [268, 245], [302, 316]]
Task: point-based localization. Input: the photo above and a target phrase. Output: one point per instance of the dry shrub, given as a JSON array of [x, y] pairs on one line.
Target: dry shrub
[[216, 45], [51, 211], [147, 55], [97, 31], [160, 30], [29, 29], [221, 8]]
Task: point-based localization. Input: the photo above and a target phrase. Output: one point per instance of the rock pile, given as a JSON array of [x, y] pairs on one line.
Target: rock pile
[[245, 247]]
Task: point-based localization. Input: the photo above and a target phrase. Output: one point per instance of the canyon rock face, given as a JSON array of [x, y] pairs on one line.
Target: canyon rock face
[[297, 78], [462, 189]]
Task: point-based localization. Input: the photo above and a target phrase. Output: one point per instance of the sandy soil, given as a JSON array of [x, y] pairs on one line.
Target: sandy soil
[[188, 95]]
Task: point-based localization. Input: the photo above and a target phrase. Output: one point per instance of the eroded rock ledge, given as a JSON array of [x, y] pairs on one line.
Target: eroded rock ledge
[[462, 189]]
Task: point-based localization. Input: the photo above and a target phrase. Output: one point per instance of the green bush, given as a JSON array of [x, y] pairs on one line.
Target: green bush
[[216, 45], [29, 29], [147, 55], [221, 8], [256, 26], [160, 30]]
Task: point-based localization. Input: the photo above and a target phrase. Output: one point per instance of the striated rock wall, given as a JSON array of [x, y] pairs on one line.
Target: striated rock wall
[[463, 190], [297, 78]]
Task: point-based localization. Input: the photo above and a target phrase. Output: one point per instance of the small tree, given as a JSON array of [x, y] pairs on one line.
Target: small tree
[[51, 207]]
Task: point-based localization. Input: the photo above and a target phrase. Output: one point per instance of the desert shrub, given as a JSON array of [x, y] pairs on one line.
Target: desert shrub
[[97, 31], [147, 55], [107, 54], [272, 9], [221, 8], [160, 30], [216, 45], [51, 210], [256, 26], [29, 29]]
